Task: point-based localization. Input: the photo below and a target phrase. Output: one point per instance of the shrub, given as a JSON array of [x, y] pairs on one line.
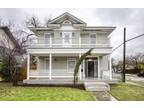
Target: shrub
[[133, 71], [4, 70], [22, 73], [8, 68], [141, 73]]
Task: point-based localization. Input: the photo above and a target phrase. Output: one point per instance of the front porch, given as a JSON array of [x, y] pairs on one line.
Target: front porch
[[67, 81], [51, 67]]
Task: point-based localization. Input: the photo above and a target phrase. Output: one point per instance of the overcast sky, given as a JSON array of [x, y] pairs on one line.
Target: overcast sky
[[132, 19]]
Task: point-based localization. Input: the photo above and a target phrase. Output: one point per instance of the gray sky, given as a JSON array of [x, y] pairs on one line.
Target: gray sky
[[132, 19]]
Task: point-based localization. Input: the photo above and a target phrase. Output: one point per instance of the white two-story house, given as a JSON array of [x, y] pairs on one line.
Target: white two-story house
[[58, 47]]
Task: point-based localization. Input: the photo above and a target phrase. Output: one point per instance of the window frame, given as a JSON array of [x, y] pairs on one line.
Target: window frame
[[64, 22], [69, 60], [91, 39], [70, 39], [47, 39]]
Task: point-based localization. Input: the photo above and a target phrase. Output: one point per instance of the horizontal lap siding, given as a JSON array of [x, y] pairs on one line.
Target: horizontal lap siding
[[104, 67], [59, 66]]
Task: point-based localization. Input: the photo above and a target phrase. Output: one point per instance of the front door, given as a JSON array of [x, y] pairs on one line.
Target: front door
[[91, 68]]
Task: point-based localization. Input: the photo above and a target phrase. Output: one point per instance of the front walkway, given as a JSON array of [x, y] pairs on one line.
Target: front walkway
[[104, 96]]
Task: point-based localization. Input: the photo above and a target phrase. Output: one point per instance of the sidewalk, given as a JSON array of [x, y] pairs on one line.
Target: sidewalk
[[133, 83], [104, 96]]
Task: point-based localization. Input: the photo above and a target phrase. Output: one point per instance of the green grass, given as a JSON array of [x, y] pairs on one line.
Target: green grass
[[127, 92], [10, 93]]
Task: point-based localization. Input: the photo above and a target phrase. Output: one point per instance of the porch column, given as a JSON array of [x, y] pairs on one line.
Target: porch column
[[50, 65], [79, 41], [99, 67], [80, 68], [38, 65], [50, 42], [28, 65], [110, 66]]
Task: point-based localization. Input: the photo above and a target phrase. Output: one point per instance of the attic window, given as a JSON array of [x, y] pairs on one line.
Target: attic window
[[66, 22]]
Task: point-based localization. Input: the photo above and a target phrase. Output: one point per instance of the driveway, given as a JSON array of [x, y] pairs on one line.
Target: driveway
[[134, 77]]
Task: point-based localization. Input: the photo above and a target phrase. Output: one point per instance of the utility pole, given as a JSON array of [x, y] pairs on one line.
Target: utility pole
[[124, 55]]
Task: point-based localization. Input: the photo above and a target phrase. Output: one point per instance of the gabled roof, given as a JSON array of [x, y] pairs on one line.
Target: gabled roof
[[10, 35], [66, 16]]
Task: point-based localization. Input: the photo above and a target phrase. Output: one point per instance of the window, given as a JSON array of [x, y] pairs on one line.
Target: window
[[66, 22], [67, 39], [47, 38], [93, 38], [71, 65]]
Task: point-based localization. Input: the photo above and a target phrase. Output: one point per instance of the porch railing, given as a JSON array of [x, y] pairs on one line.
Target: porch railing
[[45, 73], [68, 43]]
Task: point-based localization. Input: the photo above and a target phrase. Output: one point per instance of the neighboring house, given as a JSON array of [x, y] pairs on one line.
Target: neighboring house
[[58, 47], [7, 40]]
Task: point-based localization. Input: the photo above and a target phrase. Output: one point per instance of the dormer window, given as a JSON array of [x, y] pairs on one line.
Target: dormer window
[[66, 22]]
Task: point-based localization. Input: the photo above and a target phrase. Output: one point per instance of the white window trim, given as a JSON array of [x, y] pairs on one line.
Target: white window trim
[[66, 23], [63, 39], [95, 36], [50, 38], [70, 59], [47, 34]]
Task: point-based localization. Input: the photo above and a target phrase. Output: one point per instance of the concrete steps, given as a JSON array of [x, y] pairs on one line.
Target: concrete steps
[[96, 86]]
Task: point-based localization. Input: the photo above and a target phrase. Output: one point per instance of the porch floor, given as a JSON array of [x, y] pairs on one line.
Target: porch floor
[[66, 81]]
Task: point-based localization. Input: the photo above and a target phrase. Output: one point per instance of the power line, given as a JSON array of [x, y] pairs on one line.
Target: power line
[[128, 41]]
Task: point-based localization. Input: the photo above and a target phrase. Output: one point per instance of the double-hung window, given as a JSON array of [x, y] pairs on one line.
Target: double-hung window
[[93, 39], [67, 39], [71, 62], [47, 39]]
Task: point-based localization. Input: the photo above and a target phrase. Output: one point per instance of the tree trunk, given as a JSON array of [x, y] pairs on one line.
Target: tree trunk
[[79, 61]]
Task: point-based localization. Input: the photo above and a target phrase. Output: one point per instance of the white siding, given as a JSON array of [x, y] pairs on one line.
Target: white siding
[[5, 39]]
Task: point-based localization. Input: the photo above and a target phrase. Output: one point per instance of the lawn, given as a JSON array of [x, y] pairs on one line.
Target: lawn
[[10, 93], [127, 92]]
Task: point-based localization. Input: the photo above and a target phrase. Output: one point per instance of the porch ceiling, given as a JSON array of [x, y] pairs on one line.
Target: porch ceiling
[[61, 54], [66, 55]]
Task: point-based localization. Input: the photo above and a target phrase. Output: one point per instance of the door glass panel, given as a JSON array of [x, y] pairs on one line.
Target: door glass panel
[[91, 68]]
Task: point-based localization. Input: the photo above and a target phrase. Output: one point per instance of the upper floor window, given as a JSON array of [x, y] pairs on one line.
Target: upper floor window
[[66, 22], [93, 38], [67, 39], [47, 37]]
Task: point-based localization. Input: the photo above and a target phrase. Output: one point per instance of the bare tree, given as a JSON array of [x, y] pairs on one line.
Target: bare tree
[[33, 22], [46, 21], [21, 38], [137, 59], [114, 65], [1, 21], [79, 61]]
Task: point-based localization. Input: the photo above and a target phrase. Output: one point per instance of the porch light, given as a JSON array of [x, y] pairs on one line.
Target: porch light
[[90, 59]]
